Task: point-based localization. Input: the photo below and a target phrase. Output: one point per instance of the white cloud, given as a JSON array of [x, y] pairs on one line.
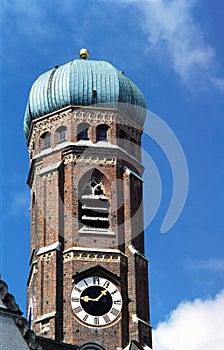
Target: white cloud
[[196, 325], [174, 39], [214, 265], [178, 41]]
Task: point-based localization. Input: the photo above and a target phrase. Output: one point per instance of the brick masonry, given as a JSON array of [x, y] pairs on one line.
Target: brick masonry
[[56, 176]]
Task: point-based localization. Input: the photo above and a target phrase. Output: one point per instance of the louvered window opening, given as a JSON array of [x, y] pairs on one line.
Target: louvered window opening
[[94, 205]]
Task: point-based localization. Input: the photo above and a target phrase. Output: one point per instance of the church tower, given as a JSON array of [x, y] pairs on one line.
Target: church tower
[[88, 282]]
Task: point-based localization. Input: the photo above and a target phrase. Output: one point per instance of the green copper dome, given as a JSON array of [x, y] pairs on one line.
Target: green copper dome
[[82, 83]]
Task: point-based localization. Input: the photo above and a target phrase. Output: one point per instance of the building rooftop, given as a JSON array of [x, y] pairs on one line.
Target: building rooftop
[[83, 82], [14, 330]]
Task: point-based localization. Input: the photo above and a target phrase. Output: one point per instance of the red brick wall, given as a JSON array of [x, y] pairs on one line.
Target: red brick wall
[[54, 218]]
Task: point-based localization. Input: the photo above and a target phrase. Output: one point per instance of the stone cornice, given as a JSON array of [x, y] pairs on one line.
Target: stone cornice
[[97, 250], [83, 113], [50, 168], [49, 248], [136, 319], [94, 254], [45, 317], [99, 152], [133, 250]]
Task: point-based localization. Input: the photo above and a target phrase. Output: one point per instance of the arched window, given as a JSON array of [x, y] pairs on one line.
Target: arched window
[[83, 131], [45, 141], [91, 346], [93, 205], [101, 132], [61, 134]]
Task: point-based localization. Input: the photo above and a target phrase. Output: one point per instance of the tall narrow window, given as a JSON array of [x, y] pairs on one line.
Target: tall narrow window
[[101, 132], [83, 132], [45, 141], [93, 205], [61, 134]]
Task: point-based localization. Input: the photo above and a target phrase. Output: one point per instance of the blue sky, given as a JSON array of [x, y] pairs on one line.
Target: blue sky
[[173, 50]]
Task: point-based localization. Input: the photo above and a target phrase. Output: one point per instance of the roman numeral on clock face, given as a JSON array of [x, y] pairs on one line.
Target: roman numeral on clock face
[[77, 309], [106, 318], [117, 302], [96, 280], [106, 284], [115, 291], [114, 311], [78, 290], [75, 300], [96, 321], [85, 317]]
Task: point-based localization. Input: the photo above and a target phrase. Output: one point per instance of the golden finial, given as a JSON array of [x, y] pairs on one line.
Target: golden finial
[[84, 54]]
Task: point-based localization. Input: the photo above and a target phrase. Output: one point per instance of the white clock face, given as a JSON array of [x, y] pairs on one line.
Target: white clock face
[[96, 301]]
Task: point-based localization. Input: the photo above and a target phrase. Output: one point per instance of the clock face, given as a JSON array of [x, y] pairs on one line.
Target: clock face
[[96, 301]]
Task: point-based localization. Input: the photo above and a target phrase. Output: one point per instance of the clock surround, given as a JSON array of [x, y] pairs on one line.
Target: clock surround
[[96, 302]]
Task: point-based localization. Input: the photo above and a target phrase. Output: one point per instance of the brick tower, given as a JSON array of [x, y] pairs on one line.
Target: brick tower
[[88, 282]]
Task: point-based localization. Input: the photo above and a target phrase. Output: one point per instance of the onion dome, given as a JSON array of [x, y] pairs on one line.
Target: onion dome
[[83, 82]]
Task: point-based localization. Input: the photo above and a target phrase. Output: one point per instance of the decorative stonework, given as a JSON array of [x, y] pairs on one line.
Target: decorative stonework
[[44, 327], [39, 167], [27, 333], [47, 257], [91, 115], [141, 261], [49, 177], [94, 116], [7, 300], [47, 123], [129, 124], [135, 182], [89, 159], [50, 122], [33, 270], [94, 256], [11, 310]]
